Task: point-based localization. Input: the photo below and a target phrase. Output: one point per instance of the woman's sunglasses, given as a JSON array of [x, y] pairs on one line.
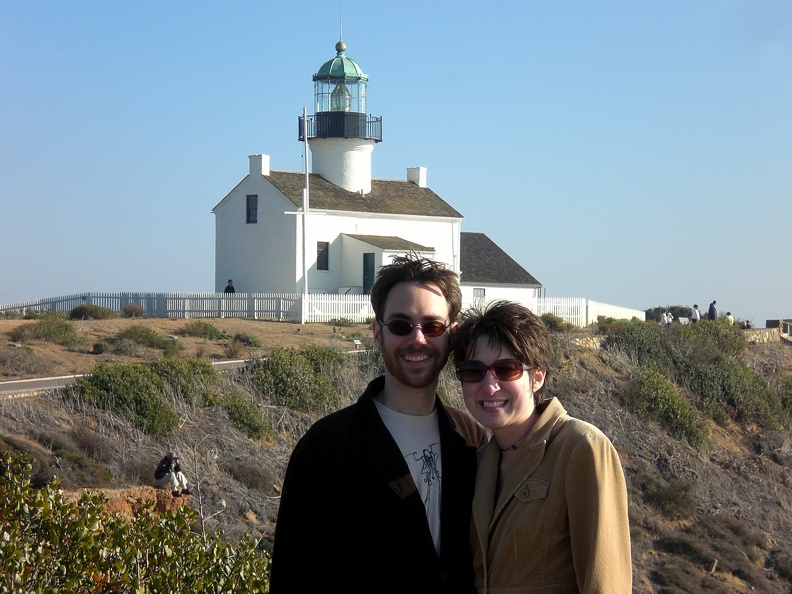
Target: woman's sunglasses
[[506, 370], [404, 328]]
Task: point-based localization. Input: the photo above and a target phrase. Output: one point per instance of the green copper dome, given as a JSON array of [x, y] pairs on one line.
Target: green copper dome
[[340, 67]]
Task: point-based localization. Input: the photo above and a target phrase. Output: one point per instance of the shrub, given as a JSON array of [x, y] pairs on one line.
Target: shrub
[[191, 380], [203, 329], [92, 312], [49, 545], [645, 343], [50, 327], [651, 395], [133, 310], [326, 361], [290, 380], [234, 349], [253, 474], [23, 361], [249, 340], [143, 336], [246, 416], [133, 391], [555, 323], [341, 322]]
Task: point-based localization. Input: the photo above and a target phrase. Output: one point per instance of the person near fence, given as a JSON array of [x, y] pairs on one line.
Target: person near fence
[[229, 287], [169, 473], [550, 506], [376, 496]]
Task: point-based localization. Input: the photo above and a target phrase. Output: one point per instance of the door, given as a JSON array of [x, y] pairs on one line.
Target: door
[[368, 272]]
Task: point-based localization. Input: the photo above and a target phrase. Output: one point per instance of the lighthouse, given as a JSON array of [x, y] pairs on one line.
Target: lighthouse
[[341, 135]]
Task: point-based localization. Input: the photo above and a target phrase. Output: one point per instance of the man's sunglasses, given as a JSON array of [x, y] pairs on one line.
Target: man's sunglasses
[[506, 370], [405, 328]]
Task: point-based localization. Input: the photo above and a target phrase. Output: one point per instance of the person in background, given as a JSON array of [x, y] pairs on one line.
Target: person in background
[[229, 287], [712, 312], [169, 473], [376, 496], [550, 509], [664, 320], [729, 318], [695, 314]]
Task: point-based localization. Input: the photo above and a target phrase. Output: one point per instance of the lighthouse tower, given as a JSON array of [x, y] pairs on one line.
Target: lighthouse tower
[[341, 135]]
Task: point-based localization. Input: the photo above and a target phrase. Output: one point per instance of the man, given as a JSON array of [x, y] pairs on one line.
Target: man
[[712, 312], [229, 287], [695, 315], [169, 473], [377, 496]]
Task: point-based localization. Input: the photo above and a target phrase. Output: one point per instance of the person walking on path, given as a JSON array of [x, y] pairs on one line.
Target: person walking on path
[[550, 511], [377, 496], [712, 312]]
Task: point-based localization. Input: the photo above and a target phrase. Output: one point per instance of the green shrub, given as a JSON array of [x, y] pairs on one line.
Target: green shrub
[[191, 380], [234, 349], [92, 312], [651, 395], [555, 323], [50, 545], [203, 329], [645, 343], [133, 310], [133, 391], [326, 361], [249, 340], [290, 380], [341, 322], [49, 328], [246, 416], [142, 335]]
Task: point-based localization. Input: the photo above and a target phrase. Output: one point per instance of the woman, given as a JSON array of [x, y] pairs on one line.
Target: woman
[[550, 508]]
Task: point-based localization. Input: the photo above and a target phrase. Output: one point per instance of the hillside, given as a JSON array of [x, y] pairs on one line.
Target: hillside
[[714, 519]]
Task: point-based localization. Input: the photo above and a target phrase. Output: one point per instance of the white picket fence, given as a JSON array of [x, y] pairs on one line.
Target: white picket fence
[[289, 307]]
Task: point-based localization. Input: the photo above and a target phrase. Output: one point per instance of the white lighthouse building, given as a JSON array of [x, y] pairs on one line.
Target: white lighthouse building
[[335, 226]]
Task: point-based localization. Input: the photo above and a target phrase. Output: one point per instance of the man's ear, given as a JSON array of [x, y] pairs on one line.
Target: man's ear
[[452, 334], [376, 329]]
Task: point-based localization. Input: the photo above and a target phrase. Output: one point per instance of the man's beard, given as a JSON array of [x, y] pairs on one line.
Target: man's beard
[[428, 376]]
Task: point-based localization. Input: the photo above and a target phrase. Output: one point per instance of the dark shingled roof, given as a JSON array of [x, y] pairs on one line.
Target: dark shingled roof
[[391, 242], [482, 261], [386, 196]]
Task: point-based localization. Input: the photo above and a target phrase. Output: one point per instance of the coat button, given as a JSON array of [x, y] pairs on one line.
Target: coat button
[[526, 493]]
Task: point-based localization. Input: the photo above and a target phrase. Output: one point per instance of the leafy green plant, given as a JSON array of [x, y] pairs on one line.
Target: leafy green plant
[[23, 361], [249, 340], [91, 312], [234, 349], [190, 380], [203, 329], [50, 545], [290, 379], [341, 322], [246, 416], [49, 328], [133, 391], [651, 395], [555, 323], [143, 336]]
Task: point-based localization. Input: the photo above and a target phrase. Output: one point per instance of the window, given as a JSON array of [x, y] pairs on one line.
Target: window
[[322, 255], [252, 208], [478, 293]]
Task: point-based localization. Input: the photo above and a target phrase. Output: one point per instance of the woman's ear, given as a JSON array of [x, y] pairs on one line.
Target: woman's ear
[[538, 378]]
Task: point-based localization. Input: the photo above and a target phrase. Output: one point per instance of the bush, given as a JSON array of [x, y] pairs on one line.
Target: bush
[[651, 395], [555, 323], [143, 336], [133, 391], [92, 312], [50, 327], [249, 340], [290, 380], [203, 329], [133, 310], [645, 343], [23, 361], [246, 416], [49, 545], [192, 380], [234, 349]]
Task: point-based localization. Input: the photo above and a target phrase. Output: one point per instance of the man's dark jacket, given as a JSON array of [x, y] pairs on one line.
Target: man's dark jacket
[[351, 518]]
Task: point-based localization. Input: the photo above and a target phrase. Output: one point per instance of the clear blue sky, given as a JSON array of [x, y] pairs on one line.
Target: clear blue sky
[[637, 153]]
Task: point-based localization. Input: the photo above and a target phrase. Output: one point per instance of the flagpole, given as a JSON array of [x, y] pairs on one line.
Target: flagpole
[[305, 207]]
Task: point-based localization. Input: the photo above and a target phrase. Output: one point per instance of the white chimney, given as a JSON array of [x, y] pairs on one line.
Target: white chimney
[[259, 165], [417, 175]]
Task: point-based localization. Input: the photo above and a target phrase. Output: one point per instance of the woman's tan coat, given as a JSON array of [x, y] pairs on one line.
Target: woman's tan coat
[[560, 525]]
